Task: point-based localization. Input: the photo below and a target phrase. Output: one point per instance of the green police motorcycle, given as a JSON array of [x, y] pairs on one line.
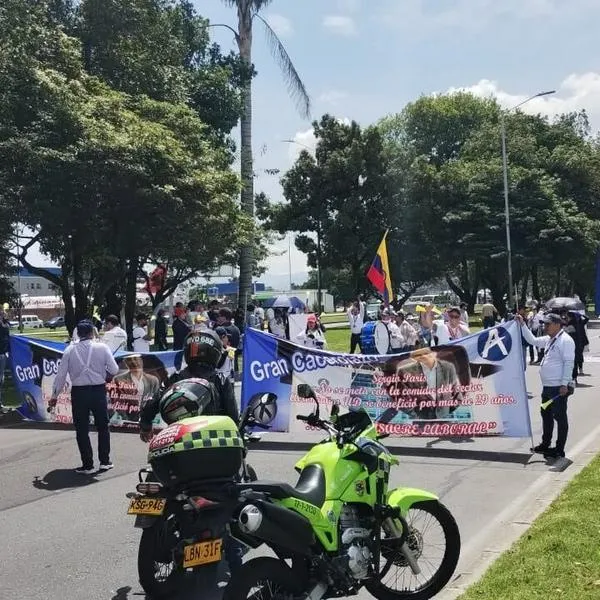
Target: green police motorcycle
[[341, 528]]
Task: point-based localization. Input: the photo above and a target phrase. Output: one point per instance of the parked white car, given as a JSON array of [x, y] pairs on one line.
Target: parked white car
[[30, 321]]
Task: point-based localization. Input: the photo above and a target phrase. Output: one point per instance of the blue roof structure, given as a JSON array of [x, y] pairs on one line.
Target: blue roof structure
[[228, 289], [23, 272]]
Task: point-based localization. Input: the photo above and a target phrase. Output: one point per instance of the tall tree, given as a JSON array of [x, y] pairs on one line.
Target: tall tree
[[247, 12], [98, 175], [339, 200]]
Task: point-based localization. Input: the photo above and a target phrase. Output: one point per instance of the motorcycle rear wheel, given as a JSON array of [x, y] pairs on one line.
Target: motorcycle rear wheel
[[391, 554], [155, 552], [265, 578]]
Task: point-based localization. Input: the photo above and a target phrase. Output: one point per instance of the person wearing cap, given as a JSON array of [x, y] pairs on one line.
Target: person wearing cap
[[556, 370], [454, 329], [87, 363], [313, 336]]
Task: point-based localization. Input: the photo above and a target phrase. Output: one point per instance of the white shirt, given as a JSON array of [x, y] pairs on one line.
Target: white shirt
[[277, 328], [317, 341], [139, 343], [409, 333], [559, 357], [356, 322], [396, 338], [86, 363], [115, 339]]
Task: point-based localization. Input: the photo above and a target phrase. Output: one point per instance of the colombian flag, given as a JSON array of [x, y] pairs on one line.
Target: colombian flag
[[379, 272]]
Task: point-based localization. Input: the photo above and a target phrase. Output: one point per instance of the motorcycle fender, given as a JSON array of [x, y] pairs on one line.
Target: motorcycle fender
[[144, 521], [404, 498]]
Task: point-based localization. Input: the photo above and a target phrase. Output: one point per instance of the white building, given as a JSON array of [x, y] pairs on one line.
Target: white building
[[32, 285]]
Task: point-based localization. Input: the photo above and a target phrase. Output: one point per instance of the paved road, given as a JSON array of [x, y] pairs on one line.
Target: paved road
[[66, 537]]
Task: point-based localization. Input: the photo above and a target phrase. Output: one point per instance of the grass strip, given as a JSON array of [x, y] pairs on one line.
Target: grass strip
[[559, 556]]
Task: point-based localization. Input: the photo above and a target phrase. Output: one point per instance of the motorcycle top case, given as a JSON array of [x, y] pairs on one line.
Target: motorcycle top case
[[196, 448]]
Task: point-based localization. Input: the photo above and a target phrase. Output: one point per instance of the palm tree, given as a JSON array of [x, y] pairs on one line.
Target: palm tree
[[248, 11]]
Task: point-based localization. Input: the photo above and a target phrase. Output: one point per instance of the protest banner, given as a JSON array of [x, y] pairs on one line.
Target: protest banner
[[35, 364], [471, 387]]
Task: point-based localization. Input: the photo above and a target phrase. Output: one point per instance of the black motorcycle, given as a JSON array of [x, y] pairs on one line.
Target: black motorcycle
[[183, 503]]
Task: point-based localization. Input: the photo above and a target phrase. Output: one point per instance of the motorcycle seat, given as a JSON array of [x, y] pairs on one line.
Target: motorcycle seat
[[310, 487]]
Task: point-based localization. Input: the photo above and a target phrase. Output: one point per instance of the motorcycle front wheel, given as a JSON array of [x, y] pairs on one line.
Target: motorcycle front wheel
[[160, 576], [437, 555], [263, 578]]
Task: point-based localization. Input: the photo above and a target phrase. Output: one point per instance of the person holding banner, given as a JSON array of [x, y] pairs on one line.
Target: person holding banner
[[313, 336], [556, 372], [4, 350], [88, 364]]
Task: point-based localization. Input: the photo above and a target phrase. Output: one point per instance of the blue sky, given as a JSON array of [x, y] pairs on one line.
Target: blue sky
[[363, 59]]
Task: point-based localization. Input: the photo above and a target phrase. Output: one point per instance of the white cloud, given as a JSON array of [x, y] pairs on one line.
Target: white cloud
[[576, 92], [340, 25], [302, 140], [281, 25], [306, 140], [332, 97]]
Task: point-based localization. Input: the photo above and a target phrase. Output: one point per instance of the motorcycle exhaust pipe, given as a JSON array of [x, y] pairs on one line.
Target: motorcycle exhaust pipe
[[278, 526]]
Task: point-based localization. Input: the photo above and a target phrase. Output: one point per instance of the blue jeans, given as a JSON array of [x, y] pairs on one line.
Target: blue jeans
[[2, 369], [86, 399]]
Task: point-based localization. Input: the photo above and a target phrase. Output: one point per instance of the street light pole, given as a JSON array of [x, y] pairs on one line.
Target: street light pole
[[319, 290], [511, 287]]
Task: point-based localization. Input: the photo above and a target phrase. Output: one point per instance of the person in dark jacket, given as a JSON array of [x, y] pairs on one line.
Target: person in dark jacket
[[4, 350], [160, 331], [203, 354], [181, 328]]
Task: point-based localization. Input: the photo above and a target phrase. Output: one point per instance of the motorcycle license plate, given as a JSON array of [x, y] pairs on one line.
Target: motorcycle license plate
[[147, 506], [202, 553]]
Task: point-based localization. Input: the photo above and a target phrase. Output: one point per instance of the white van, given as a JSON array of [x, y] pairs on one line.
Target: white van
[[32, 321]]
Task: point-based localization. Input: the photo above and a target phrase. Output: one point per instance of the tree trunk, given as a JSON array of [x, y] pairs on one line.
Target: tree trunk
[[70, 321], [535, 285], [79, 290], [523, 299], [558, 278], [130, 298], [246, 160], [112, 302]]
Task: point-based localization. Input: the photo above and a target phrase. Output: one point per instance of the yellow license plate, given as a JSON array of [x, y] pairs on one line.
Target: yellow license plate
[[147, 506], [202, 553]]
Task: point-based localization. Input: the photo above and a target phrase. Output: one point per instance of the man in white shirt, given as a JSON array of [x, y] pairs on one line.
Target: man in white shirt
[[556, 371], [87, 363], [114, 336], [356, 320], [141, 338]]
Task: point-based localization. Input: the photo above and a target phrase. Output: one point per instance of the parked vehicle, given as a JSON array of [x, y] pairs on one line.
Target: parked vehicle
[[185, 500], [341, 528], [29, 321], [55, 322]]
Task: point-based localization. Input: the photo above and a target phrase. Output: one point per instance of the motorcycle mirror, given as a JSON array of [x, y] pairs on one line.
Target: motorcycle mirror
[[305, 391]]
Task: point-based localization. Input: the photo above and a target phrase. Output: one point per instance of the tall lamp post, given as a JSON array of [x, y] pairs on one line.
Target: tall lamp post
[[511, 296]]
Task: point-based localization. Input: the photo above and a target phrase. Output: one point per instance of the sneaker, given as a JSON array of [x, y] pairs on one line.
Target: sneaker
[[541, 449], [553, 453], [106, 467], [84, 471]]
